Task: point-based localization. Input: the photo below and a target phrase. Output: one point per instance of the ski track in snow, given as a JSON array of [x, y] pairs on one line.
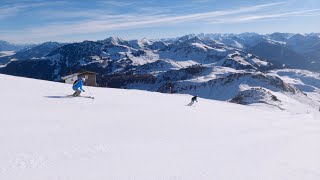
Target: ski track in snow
[[131, 134]]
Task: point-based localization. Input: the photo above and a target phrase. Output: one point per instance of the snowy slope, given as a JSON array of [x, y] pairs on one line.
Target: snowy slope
[[131, 134], [306, 81]]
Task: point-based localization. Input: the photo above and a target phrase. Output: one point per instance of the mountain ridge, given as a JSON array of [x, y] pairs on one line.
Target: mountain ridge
[[189, 64]]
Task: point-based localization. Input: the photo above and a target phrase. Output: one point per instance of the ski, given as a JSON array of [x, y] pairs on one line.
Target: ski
[[90, 97]]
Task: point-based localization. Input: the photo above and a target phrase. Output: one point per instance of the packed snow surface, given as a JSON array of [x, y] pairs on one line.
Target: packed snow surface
[[138, 135]]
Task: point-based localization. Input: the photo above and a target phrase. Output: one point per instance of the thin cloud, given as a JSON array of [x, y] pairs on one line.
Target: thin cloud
[[14, 9], [200, 1], [118, 3], [97, 22], [264, 17], [8, 11], [135, 21]]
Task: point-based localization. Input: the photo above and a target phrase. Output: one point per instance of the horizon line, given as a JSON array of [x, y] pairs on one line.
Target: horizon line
[[161, 38]]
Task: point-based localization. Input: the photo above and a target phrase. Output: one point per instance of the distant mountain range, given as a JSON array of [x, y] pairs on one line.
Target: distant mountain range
[[26, 52], [281, 49], [240, 68], [6, 46]]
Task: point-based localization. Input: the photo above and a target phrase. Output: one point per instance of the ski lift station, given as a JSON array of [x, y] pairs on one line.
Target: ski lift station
[[91, 78]]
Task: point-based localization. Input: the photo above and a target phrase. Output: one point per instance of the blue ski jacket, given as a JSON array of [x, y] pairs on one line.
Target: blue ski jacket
[[78, 85]]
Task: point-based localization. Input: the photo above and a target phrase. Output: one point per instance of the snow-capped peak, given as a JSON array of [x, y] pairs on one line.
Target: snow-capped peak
[[187, 37], [113, 40]]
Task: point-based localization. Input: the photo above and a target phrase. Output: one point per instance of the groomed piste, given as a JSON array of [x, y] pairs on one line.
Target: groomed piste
[[139, 135]]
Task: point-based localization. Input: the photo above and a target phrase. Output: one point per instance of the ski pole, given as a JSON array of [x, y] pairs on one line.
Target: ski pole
[[90, 92]]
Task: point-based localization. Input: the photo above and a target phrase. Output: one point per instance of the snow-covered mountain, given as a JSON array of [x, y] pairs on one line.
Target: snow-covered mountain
[[32, 52], [281, 49], [6, 46], [131, 134], [7, 49], [225, 67]]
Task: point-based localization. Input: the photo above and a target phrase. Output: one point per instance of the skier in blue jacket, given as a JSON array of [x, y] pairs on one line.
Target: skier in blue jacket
[[77, 86]]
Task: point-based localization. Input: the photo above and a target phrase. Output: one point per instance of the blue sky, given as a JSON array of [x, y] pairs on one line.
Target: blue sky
[[34, 21]]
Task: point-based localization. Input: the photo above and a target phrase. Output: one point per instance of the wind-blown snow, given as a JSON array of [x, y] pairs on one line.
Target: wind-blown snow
[[131, 134]]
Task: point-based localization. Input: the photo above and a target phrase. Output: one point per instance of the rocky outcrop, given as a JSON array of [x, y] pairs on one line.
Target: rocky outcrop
[[255, 95]]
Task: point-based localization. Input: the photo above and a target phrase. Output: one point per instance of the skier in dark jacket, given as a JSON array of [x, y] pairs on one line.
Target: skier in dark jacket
[[77, 86], [193, 99]]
